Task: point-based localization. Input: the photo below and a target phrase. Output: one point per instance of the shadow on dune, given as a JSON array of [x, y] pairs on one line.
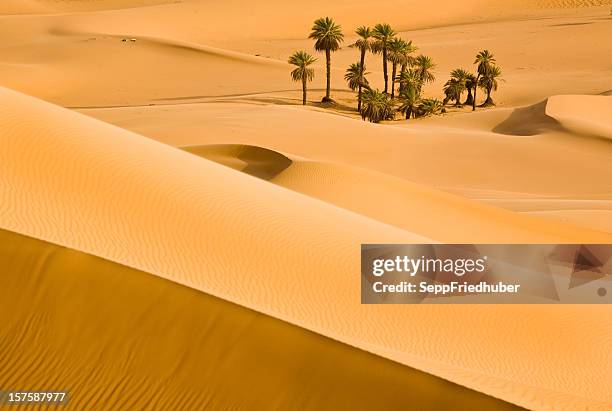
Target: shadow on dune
[[528, 121], [256, 161], [570, 24], [119, 338]]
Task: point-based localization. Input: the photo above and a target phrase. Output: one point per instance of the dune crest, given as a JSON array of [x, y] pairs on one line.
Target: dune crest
[[584, 115]]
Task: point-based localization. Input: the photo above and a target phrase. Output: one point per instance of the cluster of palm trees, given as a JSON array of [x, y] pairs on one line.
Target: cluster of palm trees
[[487, 78], [408, 73]]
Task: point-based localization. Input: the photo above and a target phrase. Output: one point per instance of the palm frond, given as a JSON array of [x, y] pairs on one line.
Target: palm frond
[[327, 33]]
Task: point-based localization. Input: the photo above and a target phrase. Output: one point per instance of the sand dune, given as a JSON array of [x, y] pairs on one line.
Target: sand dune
[[426, 152], [152, 344], [69, 69], [487, 156], [58, 6], [80, 183], [584, 115], [392, 200], [190, 246]]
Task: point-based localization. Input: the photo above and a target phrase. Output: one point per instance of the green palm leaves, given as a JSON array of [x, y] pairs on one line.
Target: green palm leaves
[[454, 88], [485, 61], [377, 106], [364, 42], [409, 100], [429, 107], [424, 66], [302, 72], [328, 36], [327, 33], [489, 82], [302, 60], [356, 76]]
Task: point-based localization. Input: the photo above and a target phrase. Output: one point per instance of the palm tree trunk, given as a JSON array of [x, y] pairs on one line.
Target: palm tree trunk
[[401, 86], [393, 73], [469, 99], [385, 69], [408, 113], [328, 63], [362, 61], [475, 88], [489, 100], [304, 90]]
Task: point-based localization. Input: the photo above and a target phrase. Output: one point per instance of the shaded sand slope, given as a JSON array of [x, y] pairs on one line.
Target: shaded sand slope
[[118, 338], [432, 213], [80, 183]]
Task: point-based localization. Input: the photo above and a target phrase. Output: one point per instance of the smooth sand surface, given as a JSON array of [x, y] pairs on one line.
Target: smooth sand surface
[[81, 183], [274, 222], [392, 200], [583, 115]]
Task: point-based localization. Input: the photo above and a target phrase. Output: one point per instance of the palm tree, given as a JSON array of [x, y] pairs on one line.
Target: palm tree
[[485, 61], [470, 84], [356, 79], [383, 33], [364, 44], [452, 90], [328, 36], [408, 60], [460, 76], [423, 66], [488, 83], [377, 106], [303, 73], [429, 106], [409, 100], [398, 53], [410, 79]]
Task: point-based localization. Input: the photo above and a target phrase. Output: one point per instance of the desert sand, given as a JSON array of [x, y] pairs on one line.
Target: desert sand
[[173, 183]]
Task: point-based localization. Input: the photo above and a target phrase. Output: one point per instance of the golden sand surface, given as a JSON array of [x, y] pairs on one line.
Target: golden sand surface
[[211, 221]]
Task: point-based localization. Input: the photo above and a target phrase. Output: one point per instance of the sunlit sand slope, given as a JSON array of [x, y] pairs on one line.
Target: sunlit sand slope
[[583, 115], [77, 182], [118, 338], [392, 200]]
